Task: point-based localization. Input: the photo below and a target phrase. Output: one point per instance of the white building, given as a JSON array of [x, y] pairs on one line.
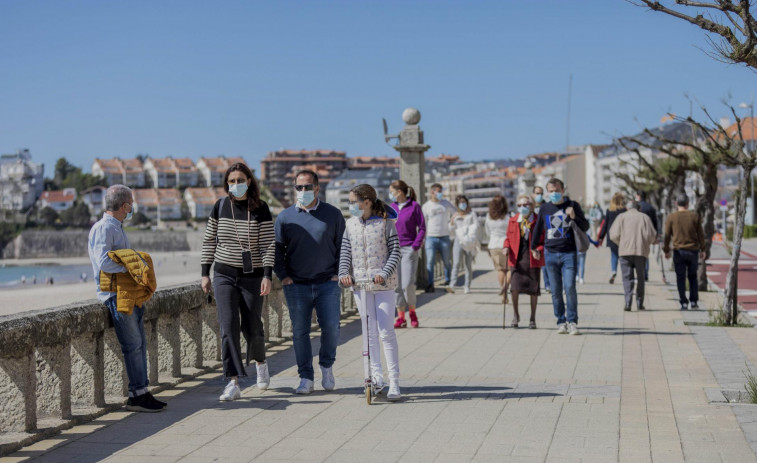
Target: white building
[[202, 200], [58, 200], [94, 198], [338, 189], [158, 203], [212, 170], [129, 172], [171, 173], [21, 181]]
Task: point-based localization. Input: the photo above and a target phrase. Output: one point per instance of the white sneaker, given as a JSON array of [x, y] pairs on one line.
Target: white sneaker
[[378, 384], [562, 328], [394, 391], [581, 280], [231, 392], [466, 290], [264, 379], [305, 387], [327, 378], [573, 329]]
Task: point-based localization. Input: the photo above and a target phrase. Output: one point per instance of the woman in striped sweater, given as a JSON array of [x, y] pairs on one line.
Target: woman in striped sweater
[[371, 250], [239, 238]]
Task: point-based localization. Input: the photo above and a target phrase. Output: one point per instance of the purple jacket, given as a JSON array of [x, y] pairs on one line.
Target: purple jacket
[[411, 226]]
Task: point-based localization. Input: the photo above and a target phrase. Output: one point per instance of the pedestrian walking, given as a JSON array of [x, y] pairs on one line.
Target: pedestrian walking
[[239, 239], [495, 225], [617, 207], [411, 230], [684, 229], [525, 263], [465, 224], [634, 233], [651, 212], [371, 251], [107, 235], [595, 218], [556, 228], [437, 213], [537, 194], [308, 243]]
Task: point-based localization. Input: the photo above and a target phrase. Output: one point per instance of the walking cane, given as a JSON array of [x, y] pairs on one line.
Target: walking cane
[[504, 290]]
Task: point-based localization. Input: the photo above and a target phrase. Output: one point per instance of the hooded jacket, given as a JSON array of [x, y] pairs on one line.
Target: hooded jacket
[[136, 286]]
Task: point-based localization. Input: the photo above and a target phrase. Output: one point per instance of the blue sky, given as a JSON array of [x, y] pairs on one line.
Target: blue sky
[[86, 79]]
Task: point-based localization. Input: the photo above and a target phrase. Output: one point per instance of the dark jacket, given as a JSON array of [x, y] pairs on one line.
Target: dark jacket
[[610, 217], [553, 230], [651, 212]]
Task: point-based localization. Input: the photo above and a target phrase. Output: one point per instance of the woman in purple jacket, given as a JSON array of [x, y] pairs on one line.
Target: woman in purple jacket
[[411, 229]]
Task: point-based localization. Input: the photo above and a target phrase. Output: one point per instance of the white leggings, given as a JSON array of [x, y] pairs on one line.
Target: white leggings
[[380, 306]]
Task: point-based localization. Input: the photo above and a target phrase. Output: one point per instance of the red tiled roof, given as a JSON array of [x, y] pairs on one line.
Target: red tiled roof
[[57, 196], [748, 128], [206, 195]]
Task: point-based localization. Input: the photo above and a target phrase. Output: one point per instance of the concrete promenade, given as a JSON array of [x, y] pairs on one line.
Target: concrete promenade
[[633, 387]]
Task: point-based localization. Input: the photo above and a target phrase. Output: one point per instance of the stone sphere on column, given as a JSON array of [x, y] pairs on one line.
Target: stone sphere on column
[[411, 116]]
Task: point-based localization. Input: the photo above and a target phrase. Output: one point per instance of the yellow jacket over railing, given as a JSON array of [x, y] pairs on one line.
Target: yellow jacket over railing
[[136, 286]]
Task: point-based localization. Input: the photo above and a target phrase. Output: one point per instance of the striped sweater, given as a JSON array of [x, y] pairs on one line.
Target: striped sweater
[[392, 243], [221, 243]]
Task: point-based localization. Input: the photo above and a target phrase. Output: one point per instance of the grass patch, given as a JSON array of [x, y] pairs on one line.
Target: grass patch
[[751, 384], [717, 318]]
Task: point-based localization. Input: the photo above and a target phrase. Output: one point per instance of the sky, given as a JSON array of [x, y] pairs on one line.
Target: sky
[[86, 79]]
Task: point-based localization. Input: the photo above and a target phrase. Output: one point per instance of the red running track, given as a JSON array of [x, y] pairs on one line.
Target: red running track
[[717, 271]]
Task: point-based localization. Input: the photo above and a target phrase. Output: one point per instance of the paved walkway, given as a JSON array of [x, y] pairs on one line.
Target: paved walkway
[[633, 387]]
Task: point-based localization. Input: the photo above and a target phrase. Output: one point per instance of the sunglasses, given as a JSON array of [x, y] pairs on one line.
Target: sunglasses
[[306, 187]]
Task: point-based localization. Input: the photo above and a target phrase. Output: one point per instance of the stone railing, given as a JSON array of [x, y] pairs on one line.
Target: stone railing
[[62, 366]]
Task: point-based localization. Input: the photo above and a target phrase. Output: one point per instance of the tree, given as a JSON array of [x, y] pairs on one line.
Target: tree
[[732, 22], [67, 175], [48, 216], [76, 216], [139, 219]]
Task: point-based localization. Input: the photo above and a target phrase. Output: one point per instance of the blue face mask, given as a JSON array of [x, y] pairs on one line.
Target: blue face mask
[[305, 197], [238, 189], [524, 211], [463, 206], [439, 196], [392, 198], [539, 198], [129, 215], [355, 210], [555, 197]]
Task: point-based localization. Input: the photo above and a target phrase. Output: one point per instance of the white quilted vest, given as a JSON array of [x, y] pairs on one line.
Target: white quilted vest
[[370, 252]]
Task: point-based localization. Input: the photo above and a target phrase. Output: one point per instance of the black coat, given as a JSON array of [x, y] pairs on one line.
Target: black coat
[[610, 217]]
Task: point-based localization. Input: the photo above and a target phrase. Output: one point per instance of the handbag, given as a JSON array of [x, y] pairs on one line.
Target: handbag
[[582, 239]]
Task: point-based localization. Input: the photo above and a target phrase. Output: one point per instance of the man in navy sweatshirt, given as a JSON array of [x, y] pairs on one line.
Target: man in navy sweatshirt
[[308, 242], [553, 230]]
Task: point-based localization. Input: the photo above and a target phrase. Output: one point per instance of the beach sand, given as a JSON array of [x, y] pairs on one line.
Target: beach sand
[[171, 268]]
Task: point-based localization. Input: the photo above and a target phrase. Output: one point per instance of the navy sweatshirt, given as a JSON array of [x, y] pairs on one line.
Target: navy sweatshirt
[[308, 243], [553, 229]]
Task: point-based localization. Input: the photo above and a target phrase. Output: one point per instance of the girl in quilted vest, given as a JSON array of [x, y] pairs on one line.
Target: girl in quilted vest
[[371, 250]]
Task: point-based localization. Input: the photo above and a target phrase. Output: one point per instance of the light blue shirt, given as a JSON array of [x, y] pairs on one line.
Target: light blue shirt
[[106, 235]]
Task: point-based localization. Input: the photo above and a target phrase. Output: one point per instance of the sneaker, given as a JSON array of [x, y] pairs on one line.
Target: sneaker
[[612, 279], [466, 290], [413, 320], [548, 290], [694, 305], [581, 280], [627, 308], [378, 384], [430, 288], [684, 306], [264, 379], [446, 283], [394, 391], [573, 329], [450, 289], [327, 380], [143, 404], [154, 400], [305, 387], [562, 328], [231, 392], [641, 307], [400, 322]]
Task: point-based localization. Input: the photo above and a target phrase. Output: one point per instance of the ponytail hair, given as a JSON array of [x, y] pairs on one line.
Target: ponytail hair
[[406, 189], [365, 191]]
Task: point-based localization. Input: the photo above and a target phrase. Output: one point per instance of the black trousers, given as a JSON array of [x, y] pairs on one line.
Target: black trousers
[[628, 266], [686, 263], [239, 306]]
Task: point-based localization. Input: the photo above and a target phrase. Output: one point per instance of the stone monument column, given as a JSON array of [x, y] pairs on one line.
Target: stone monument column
[[412, 169]]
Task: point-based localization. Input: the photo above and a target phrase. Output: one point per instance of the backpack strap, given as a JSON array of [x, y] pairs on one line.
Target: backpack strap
[[220, 208]]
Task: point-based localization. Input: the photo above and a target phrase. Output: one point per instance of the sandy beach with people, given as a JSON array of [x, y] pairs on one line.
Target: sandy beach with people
[[171, 268]]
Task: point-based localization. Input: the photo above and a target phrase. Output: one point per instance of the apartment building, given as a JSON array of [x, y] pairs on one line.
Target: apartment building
[[58, 200], [94, 198], [212, 170], [337, 193], [201, 200], [129, 172], [172, 173], [21, 181], [158, 203], [278, 167]]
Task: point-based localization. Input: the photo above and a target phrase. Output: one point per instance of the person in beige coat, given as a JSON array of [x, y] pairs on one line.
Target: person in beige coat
[[634, 233]]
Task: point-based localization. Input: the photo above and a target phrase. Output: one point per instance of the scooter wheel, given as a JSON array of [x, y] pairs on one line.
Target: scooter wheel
[[368, 395]]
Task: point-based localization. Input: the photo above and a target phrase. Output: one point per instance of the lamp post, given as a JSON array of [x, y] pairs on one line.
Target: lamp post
[[749, 218]]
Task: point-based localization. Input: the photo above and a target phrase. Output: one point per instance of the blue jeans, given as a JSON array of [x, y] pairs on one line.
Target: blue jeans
[[613, 261], [440, 244], [130, 331], [301, 299], [581, 264], [545, 274], [686, 264], [561, 267]]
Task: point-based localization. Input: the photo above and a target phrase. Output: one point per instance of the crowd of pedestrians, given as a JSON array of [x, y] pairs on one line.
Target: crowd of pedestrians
[[315, 253]]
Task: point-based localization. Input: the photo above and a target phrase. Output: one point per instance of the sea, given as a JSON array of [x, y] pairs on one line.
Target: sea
[[13, 276]]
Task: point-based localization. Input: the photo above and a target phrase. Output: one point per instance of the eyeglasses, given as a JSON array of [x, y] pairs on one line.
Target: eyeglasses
[[305, 187]]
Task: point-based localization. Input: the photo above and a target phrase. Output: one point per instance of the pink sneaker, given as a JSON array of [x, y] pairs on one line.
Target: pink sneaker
[[413, 320], [400, 322]]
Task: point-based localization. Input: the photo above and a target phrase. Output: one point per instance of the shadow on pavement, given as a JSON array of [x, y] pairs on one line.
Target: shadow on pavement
[[608, 331], [449, 393]]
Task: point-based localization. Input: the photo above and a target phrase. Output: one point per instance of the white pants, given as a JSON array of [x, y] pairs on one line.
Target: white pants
[[380, 307]]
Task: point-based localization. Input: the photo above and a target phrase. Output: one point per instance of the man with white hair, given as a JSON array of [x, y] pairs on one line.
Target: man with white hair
[[634, 232], [108, 235]]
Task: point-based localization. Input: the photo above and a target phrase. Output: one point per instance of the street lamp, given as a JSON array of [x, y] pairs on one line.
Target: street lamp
[[749, 219]]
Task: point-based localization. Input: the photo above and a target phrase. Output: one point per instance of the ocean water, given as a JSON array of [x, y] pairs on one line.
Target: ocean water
[[11, 276]]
